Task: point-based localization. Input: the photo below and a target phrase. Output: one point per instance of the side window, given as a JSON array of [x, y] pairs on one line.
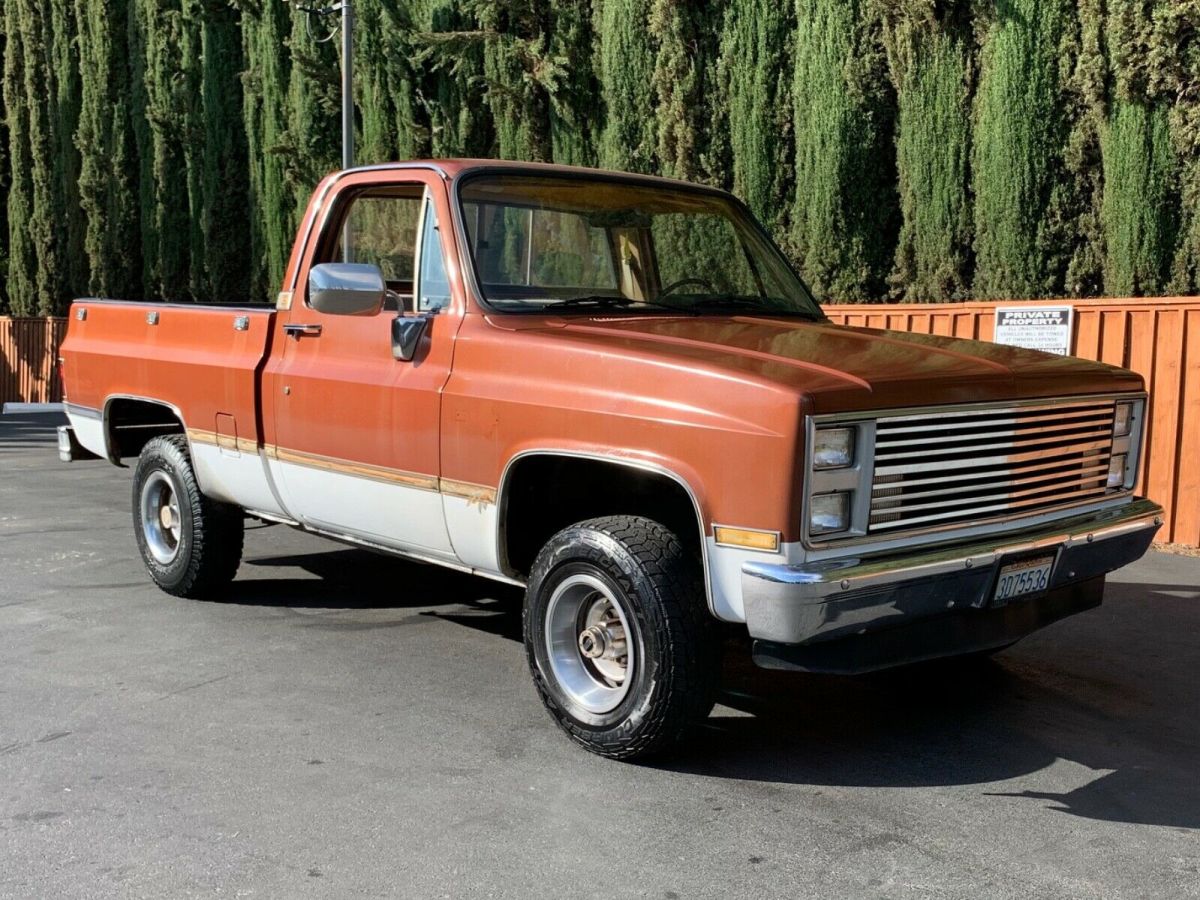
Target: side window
[[433, 293], [380, 228]]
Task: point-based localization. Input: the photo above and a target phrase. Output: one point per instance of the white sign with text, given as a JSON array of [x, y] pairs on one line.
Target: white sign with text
[[1045, 328]]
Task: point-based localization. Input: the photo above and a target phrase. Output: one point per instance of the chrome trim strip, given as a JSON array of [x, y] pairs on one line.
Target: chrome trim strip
[[502, 500], [819, 582], [919, 412], [264, 308], [84, 412]]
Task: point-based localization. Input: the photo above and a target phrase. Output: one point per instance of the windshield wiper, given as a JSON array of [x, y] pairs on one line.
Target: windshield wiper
[[608, 301], [603, 301], [746, 304]]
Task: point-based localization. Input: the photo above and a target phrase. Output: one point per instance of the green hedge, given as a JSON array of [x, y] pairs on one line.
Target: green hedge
[[918, 150]]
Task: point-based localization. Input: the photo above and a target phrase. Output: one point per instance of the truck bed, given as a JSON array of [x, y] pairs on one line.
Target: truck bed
[[201, 361]]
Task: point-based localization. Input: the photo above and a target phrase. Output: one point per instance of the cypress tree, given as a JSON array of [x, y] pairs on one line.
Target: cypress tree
[[625, 66], [1019, 139], [754, 74], [108, 157], [312, 144], [1139, 203], [1140, 209], [929, 61], [401, 84], [5, 174], [36, 282], [573, 119], [1171, 67], [20, 280], [64, 97], [677, 30], [844, 217], [265, 27], [224, 263], [1077, 217], [376, 139], [520, 76], [164, 89], [451, 87]]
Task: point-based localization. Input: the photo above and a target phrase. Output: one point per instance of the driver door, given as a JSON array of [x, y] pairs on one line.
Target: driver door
[[356, 447]]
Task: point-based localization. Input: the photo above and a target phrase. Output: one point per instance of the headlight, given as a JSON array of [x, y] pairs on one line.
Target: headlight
[[829, 512], [1116, 470], [1123, 422], [833, 448]]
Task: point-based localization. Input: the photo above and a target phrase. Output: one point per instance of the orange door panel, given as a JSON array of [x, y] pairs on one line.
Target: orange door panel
[[356, 448]]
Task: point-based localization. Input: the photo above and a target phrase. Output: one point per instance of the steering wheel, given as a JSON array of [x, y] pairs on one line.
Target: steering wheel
[[676, 285]]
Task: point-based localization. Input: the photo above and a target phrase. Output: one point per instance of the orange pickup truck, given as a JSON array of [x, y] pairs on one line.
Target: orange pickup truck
[[614, 391]]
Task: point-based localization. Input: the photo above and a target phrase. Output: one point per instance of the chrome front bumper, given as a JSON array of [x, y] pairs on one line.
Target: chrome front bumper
[[845, 598]]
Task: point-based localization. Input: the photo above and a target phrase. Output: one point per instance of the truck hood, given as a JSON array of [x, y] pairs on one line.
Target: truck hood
[[843, 368]]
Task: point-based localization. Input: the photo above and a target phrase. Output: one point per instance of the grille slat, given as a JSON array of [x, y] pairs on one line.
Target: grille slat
[[958, 466], [1028, 485], [1094, 423]]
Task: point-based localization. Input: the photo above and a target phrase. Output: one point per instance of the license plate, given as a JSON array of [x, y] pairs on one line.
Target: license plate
[[1026, 577]]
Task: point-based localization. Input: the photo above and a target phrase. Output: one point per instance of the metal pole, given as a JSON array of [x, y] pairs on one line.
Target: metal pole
[[347, 111], [347, 85]]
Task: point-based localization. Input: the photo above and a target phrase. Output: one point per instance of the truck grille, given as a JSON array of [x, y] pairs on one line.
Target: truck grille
[[946, 468]]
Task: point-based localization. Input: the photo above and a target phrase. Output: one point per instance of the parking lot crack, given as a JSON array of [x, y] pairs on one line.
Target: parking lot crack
[[192, 687]]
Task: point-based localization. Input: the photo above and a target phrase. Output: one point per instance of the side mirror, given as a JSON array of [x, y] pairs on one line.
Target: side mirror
[[346, 289], [407, 332]]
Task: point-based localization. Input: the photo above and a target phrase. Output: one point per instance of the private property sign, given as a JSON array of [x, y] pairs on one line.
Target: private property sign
[[1046, 328]]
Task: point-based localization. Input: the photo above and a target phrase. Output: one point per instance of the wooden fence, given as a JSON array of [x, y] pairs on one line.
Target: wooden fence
[[28, 360], [1158, 338]]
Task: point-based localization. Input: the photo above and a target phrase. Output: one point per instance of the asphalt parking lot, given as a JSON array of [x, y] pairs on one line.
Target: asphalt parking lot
[[348, 725]]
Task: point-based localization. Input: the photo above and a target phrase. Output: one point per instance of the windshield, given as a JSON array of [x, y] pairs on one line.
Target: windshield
[[562, 243]]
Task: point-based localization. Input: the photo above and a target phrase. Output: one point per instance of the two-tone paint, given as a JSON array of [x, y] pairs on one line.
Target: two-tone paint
[[320, 426]]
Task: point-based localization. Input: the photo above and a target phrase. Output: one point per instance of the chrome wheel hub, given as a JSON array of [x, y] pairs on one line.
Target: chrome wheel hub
[[587, 639], [162, 524]]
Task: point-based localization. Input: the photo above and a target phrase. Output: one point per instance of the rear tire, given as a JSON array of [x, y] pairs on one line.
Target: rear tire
[[191, 544], [621, 647]]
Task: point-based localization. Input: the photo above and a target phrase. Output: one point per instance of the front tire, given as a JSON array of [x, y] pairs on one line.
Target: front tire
[[620, 644], [191, 544]]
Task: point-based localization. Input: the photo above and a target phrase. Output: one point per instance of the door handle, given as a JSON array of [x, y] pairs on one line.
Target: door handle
[[297, 330]]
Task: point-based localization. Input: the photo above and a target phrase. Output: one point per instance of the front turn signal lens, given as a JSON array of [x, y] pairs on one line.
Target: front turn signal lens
[[828, 513], [833, 448]]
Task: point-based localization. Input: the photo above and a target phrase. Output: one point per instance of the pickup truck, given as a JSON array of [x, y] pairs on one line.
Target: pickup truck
[[614, 391]]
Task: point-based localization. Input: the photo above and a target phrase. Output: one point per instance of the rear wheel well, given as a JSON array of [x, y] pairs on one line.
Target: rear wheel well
[[131, 424], [544, 494]]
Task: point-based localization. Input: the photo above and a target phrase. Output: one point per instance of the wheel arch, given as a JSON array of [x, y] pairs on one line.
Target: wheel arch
[[632, 486], [130, 422]]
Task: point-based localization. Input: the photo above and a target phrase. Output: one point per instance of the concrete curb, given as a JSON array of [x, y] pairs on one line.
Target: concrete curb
[[12, 408]]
